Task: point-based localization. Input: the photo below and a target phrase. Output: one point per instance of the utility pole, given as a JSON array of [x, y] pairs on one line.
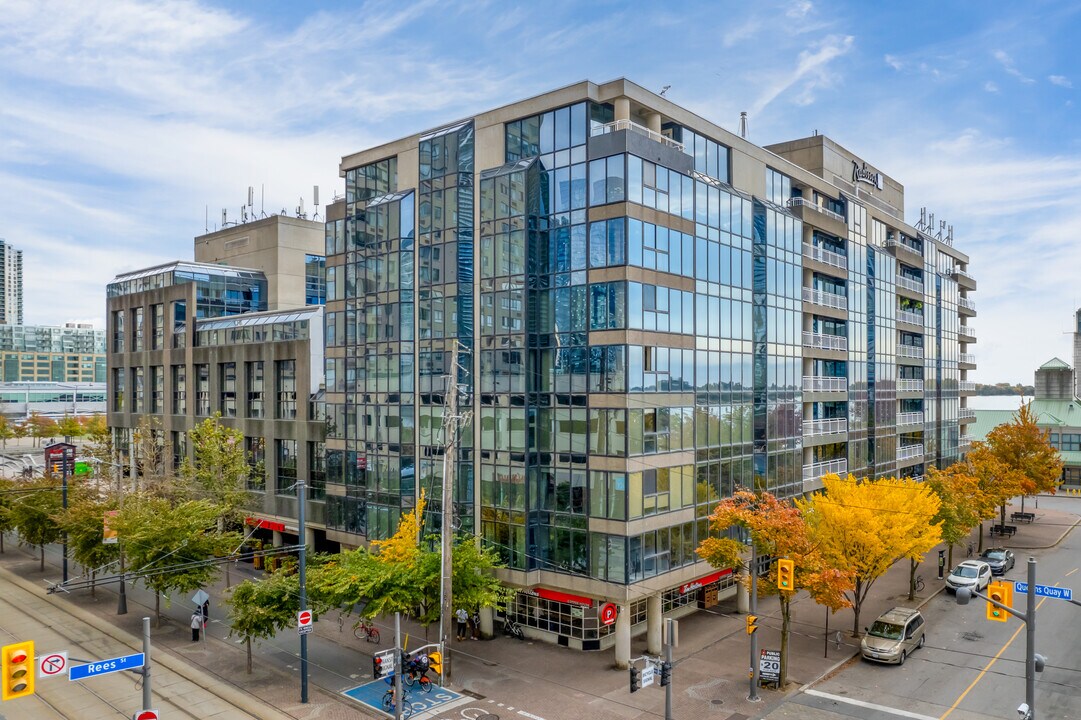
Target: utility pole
[[753, 694], [302, 501], [669, 640], [148, 696], [64, 499], [399, 697], [451, 423]]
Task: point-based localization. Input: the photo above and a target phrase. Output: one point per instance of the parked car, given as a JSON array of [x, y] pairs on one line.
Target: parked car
[[1000, 560], [894, 636], [973, 574]]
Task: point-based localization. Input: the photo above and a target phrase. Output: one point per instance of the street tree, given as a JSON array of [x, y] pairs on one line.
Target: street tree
[[8, 495], [7, 430], [997, 483], [862, 527], [259, 609], [959, 494], [69, 426], [219, 470], [39, 427], [84, 522], [172, 546], [1026, 450], [777, 529], [37, 511]]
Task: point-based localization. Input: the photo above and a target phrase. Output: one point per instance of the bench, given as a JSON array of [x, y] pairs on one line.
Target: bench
[[1003, 530], [1024, 516]]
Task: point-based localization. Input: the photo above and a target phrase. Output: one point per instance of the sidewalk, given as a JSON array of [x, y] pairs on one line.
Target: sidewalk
[[537, 679]]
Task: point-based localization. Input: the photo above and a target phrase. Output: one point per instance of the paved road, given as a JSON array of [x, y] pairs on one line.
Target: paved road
[[971, 667]]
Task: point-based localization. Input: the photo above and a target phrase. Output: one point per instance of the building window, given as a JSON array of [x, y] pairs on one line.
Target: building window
[[256, 451], [180, 390], [137, 390], [227, 382], [118, 389], [315, 280], [180, 447], [157, 389], [778, 187], [118, 331], [202, 390], [180, 324], [157, 326], [317, 471], [253, 372], [137, 330], [285, 452], [285, 381]]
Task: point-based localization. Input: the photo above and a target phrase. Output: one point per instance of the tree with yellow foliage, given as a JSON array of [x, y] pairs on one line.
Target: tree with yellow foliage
[[862, 527], [1024, 449], [777, 530], [958, 489], [997, 484]]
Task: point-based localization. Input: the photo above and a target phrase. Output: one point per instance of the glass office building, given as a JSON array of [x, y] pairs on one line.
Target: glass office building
[[643, 312]]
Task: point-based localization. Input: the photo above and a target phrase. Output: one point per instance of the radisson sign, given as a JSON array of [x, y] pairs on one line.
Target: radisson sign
[[864, 174]]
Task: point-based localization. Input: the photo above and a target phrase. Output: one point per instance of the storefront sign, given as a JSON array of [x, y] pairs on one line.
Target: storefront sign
[[265, 524], [562, 597], [608, 613], [865, 174], [707, 580]]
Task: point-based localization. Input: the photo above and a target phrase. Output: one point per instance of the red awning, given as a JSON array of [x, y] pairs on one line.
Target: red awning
[[560, 596], [711, 578], [265, 524]]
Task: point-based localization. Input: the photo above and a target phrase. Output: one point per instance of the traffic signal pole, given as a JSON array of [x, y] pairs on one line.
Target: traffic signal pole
[[753, 694], [302, 501], [668, 640]]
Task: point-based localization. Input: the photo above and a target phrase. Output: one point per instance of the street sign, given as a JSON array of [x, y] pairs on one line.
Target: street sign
[[608, 613], [304, 622], [769, 666], [1059, 593], [105, 667], [146, 715], [52, 664], [649, 673], [199, 598], [385, 661]]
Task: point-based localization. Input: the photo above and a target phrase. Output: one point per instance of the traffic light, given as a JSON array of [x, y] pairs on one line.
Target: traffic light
[[786, 574], [666, 673], [378, 671], [636, 679], [999, 592], [435, 662], [18, 668], [752, 624]]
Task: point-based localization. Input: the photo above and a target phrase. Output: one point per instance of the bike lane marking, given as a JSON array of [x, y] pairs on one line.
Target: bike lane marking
[[867, 705]]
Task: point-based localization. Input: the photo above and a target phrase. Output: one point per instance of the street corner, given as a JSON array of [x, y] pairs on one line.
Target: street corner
[[371, 694]]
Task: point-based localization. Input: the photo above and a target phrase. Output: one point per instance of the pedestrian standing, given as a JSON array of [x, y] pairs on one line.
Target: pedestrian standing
[[462, 617], [476, 624], [196, 624]]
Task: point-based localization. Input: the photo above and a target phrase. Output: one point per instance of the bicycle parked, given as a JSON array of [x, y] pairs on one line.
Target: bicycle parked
[[364, 630], [920, 585], [512, 628]]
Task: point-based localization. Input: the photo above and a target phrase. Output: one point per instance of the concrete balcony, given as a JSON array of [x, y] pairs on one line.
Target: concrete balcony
[[798, 202], [910, 351], [967, 331], [901, 246], [817, 428], [815, 471], [966, 414], [909, 284], [909, 386], [826, 257], [910, 452], [964, 279], [966, 386], [964, 443], [822, 383], [634, 127], [966, 306], [967, 359], [823, 341], [912, 318], [825, 299], [907, 419]]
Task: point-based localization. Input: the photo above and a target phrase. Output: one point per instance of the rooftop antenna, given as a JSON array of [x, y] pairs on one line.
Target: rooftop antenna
[[743, 124], [315, 192], [243, 214], [300, 209], [206, 218], [262, 199], [665, 89], [251, 201], [223, 217]]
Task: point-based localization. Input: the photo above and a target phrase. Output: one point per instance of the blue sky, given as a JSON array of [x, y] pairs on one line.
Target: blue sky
[[121, 122]]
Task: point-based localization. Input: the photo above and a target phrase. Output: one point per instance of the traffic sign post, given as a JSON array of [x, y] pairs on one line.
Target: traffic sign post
[[648, 674], [146, 715], [52, 665], [304, 622], [769, 666], [106, 667]]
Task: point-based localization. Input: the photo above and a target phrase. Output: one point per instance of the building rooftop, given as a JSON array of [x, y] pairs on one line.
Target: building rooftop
[[1055, 364]]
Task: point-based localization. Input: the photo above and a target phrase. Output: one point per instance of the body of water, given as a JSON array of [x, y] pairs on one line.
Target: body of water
[[997, 402]]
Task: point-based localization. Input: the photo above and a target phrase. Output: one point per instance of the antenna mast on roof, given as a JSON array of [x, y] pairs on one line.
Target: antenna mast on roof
[[315, 192], [743, 124]]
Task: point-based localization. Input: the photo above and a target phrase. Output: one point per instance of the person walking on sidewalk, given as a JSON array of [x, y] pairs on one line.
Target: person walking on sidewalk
[[462, 618], [196, 624]]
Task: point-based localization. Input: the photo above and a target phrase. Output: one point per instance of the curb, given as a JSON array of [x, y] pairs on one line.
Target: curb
[[237, 698]]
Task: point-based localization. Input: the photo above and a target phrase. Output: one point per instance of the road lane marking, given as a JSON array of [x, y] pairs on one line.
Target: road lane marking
[[1071, 572], [988, 666], [868, 705]]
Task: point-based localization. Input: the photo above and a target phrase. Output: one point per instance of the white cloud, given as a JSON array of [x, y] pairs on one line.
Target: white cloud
[[810, 74], [1060, 80], [1008, 65], [894, 62], [990, 87], [799, 9]]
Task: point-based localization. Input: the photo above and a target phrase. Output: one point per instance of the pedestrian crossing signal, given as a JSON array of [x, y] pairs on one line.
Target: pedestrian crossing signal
[[18, 670], [752, 624]]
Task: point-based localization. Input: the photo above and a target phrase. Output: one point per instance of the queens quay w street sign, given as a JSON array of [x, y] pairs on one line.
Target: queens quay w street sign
[[104, 667], [1059, 593]]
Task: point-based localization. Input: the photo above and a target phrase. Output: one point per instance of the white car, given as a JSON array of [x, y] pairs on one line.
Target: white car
[[972, 574]]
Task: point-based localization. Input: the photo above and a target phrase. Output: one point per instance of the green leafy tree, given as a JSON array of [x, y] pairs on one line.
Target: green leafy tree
[[37, 513], [69, 426], [259, 609], [7, 430], [84, 523], [219, 471], [40, 427], [171, 546], [7, 497]]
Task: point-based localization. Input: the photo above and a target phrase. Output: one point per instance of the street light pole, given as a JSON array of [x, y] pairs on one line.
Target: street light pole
[[302, 493], [1030, 641]]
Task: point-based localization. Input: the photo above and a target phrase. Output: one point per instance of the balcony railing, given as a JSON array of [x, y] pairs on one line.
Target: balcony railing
[[966, 386], [822, 255], [968, 358], [910, 284], [958, 272], [964, 443], [968, 331], [909, 351], [818, 469], [618, 125], [803, 202], [908, 452], [822, 383], [909, 385], [825, 299], [909, 418], [835, 426], [824, 341], [966, 413], [967, 304], [912, 318], [894, 242]]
